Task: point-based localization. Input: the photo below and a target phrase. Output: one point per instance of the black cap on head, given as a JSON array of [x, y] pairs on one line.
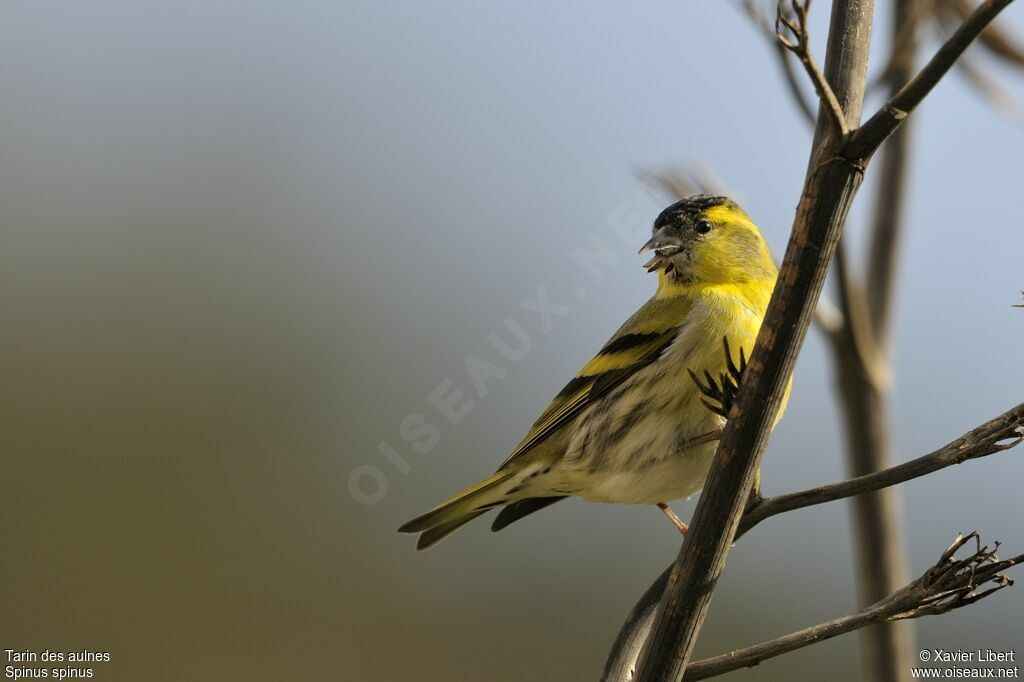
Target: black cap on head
[[689, 209]]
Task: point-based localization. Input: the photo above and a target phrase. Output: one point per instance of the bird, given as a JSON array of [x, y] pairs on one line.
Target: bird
[[635, 425]]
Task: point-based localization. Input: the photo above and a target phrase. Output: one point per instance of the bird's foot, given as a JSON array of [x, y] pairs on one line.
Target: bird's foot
[[676, 521], [722, 397]]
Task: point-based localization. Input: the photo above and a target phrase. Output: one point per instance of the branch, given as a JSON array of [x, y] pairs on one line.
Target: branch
[[829, 188], [622, 659], [856, 341], [986, 439], [908, 17], [799, 43], [761, 21], [892, 180], [995, 435], [862, 379], [950, 584], [859, 354], [866, 140]]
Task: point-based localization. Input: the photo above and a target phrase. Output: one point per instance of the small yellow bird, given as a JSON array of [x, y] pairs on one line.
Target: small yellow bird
[[632, 427]]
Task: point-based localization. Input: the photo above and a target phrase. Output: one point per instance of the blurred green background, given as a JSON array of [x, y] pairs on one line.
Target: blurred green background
[[242, 242]]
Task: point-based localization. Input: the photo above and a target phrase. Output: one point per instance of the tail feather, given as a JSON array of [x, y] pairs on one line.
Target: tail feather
[[438, 533], [461, 509], [518, 510]]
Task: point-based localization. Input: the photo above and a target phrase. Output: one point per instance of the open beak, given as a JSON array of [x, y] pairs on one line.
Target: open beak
[[664, 244]]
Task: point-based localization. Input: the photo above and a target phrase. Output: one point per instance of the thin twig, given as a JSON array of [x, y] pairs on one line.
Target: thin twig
[[798, 41], [950, 584], [864, 141], [793, 83], [789, 73]]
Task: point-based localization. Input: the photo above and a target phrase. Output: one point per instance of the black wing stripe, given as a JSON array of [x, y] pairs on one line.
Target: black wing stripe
[[601, 385], [627, 341], [576, 384]]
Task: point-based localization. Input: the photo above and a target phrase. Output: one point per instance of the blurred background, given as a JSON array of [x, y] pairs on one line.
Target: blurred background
[[243, 243]]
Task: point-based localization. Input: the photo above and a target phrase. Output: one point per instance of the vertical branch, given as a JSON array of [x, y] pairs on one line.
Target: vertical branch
[[892, 177], [879, 551], [829, 188], [863, 375]]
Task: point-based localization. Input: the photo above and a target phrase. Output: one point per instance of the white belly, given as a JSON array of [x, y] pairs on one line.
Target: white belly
[[661, 481]]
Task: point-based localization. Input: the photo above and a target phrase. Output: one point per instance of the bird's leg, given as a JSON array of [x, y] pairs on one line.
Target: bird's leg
[[676, 521], [730, 380], [709, 437]]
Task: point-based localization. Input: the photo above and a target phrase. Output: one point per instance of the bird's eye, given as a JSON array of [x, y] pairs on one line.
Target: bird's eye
[[704, 226]]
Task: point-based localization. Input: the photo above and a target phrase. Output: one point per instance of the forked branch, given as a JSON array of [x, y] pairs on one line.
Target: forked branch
[[950, 584], [996, 435], [791, 32], [803, 103]]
